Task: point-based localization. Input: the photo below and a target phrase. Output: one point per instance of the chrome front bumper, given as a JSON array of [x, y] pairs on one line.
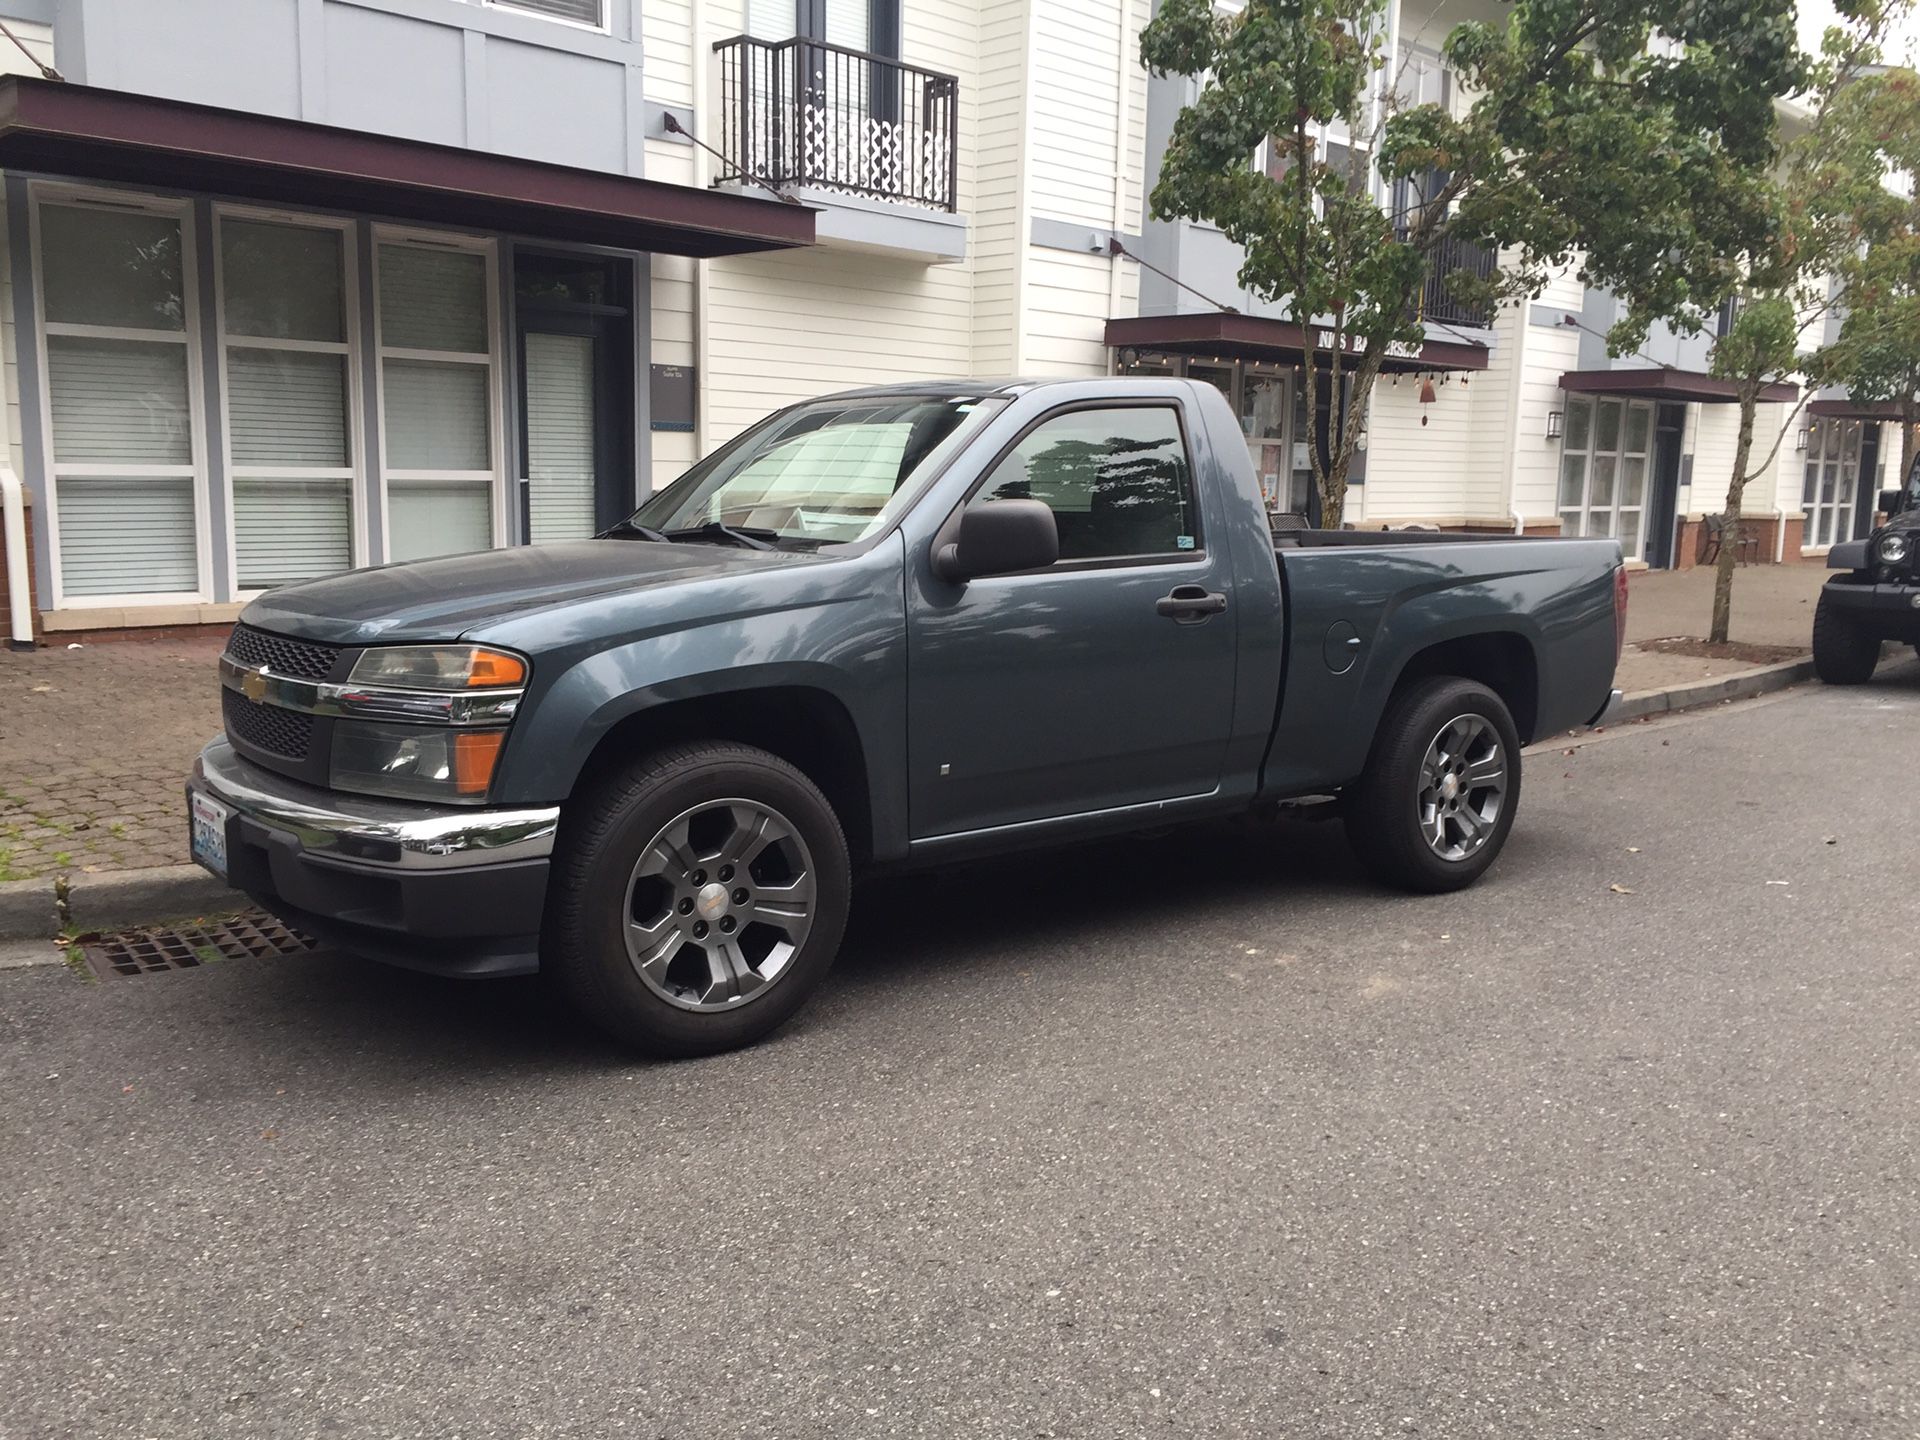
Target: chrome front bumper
[[370, 831]]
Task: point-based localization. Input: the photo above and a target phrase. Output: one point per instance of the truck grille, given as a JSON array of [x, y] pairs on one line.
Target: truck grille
[[286, 733], [302, 659]]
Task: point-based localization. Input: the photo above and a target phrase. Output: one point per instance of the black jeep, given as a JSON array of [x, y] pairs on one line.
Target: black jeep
[[1878, 599]]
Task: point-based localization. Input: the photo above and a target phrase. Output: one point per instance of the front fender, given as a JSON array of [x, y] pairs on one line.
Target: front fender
[[1848, 555]]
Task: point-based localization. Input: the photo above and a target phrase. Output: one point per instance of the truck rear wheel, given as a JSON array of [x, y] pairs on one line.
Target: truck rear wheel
[[1440, 791], [698, 898], [1844, 652]]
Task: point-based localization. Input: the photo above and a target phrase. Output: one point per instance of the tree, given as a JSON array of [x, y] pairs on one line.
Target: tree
[[1824, 191], [1582, 136], [1877, 356]]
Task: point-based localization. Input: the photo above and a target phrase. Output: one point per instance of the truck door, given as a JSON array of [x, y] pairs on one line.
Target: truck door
[[1103, 681]]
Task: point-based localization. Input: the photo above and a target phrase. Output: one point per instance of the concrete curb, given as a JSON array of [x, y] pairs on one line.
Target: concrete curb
[[111, 900], [1739, 686]]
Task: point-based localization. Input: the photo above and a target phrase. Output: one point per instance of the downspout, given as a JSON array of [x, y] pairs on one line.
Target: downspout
[[1122, 104], [1519, 520], [1779, 534], [19, 600]]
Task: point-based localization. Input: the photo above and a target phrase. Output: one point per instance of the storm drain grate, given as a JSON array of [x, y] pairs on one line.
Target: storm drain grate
[[254, 935]]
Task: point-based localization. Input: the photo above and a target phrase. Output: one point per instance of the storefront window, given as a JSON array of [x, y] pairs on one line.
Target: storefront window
[[1604, 456], [437, 398], [119, 394], [1832, 480], [289, 401]]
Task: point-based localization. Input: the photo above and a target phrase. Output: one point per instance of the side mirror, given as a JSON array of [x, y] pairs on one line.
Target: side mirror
[[998, 538], [1890, 502]]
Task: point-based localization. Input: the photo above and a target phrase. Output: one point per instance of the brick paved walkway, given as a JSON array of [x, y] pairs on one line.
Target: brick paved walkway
[[95, 744]]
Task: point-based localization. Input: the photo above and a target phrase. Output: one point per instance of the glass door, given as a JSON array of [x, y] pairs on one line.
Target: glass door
[[576, 392]]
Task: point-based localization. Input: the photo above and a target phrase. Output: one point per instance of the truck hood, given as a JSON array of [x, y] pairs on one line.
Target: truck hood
[[443, 599]]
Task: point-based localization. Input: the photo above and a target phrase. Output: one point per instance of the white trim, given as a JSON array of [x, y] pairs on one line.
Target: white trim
[[41, 193], [358, 541], [494, 360]]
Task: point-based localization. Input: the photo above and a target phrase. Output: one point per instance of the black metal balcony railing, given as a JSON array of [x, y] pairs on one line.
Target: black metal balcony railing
[[1438, 303], [803, 112]]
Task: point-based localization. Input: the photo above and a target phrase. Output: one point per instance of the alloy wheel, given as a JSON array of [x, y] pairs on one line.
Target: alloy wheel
[[719, 903], [1463, 787]]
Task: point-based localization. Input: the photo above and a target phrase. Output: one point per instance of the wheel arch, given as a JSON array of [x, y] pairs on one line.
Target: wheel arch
[[1505, 661], [807, 726]]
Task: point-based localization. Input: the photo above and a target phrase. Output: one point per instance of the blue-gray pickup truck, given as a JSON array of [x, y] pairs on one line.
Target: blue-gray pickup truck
[[885, 629]]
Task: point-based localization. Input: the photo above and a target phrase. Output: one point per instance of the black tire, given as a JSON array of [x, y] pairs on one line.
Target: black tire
[[1844, 652], [1383, 811], [603, 835]]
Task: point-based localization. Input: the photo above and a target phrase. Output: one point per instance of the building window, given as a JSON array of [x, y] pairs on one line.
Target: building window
[[289, 399], [590, 13], [1603, 470], [117, 335], [1832, 480], [438, 389]]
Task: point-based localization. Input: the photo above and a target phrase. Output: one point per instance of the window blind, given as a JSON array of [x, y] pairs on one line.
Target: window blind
[[288, 530], [437, 416], [584, 12], [433, 299], [287, 407], [126, 536], [560, 460], [118, 402], [427, 518], [772, 19]]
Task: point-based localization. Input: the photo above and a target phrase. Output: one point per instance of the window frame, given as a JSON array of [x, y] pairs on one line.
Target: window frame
[[497, 438], [1619, 454], [605, 27], [944, 535], [1836, 443], [41, 193], [354, 472]]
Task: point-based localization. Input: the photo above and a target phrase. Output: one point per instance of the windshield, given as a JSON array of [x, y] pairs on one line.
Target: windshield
[[828, 473], [1910, 497]]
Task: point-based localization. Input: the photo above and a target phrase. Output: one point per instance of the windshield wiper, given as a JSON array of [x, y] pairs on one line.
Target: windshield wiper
[[635, 529], [714, 530]]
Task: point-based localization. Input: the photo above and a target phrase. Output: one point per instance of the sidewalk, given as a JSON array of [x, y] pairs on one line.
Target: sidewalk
[[95, 745], [1772, 607]]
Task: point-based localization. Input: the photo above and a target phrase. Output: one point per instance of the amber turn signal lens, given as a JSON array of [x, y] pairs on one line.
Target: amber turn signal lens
[[490, 668], [475, 753]]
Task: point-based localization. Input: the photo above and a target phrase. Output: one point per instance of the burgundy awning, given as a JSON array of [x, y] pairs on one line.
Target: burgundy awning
[[1253, 337], [1667, 384], [1854, 409], [95, 134]]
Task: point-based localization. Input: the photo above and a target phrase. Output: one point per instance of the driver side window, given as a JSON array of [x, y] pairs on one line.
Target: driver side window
[[1117, 480]]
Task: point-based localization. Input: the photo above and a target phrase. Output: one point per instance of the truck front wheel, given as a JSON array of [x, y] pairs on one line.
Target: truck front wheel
[[1844, 652], [1440, 791], [698, 897]]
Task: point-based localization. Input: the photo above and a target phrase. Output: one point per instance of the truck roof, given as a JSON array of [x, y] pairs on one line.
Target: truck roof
[[975, 389]]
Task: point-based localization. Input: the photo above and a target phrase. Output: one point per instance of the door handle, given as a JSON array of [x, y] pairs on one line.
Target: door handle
[[1189, 604]]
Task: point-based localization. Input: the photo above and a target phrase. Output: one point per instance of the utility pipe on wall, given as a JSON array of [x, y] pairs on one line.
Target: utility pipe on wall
[[19, 597]]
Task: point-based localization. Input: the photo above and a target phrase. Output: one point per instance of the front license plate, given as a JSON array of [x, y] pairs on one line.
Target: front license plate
[[209, 818]]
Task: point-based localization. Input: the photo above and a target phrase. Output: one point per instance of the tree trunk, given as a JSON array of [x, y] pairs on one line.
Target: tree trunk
[[1730, 520]]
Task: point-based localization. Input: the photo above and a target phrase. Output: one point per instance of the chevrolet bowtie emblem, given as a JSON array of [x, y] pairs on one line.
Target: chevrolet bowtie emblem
[[254, 686]]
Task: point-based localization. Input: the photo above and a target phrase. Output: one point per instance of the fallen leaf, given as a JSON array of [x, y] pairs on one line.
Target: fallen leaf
[[1633, 849], [41, 689], [1833, 839], [1619, 889], [269, 1134]]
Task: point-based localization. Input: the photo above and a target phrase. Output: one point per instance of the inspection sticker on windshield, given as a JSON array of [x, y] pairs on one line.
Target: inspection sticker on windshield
[[209, 843], [1183, 542]]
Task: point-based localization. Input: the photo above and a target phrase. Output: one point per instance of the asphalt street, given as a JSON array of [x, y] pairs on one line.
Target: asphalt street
[[1200, 1135]]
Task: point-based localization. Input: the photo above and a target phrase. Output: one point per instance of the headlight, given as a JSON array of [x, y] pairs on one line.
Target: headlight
[[415, 762], [1893, 547], [439, 667]]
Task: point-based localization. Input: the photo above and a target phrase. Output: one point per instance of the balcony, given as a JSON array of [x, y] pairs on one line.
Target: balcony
[[1438, 303], [803, 115]]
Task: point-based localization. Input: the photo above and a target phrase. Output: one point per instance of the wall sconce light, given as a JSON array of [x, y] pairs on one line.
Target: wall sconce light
[[1556, 424], [1800, 438]]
